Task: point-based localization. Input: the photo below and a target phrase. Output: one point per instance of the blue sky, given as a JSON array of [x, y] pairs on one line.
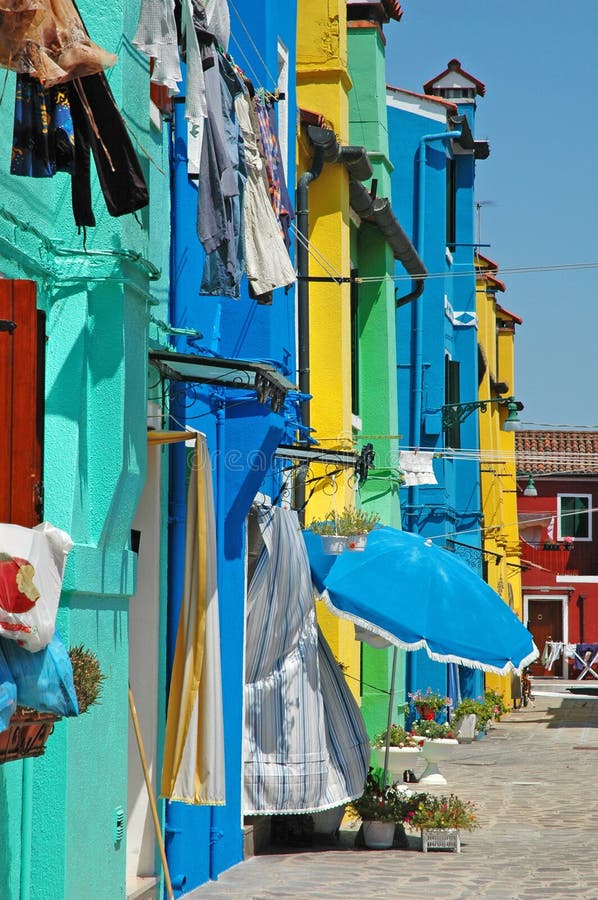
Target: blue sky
[[539, 187]]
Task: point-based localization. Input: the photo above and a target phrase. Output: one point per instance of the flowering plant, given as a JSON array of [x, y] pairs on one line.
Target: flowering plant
[[430, 699], [495, 703], [398, 738], [432, 730], [442, 812], [349, 521], [378, 803]]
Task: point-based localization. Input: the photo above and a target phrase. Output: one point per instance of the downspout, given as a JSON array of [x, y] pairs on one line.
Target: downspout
[[302, 214], [379, 212], [355, 160], [418, 365], [26, 828], [177, 493], [217, 813]]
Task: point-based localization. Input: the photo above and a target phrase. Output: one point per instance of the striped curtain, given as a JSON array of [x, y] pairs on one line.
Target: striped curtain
[[305, 744]]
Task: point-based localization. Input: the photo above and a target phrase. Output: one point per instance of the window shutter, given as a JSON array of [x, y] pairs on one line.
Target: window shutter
[[22, 351]]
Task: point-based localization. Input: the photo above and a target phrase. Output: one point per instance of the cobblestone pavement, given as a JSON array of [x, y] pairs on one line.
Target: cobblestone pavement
[[534, 779]]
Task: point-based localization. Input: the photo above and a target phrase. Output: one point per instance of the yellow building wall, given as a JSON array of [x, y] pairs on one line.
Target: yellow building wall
[[497, 468], [323, 84]]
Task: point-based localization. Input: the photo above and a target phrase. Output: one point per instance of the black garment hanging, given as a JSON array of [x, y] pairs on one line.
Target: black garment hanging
[[99, 126]]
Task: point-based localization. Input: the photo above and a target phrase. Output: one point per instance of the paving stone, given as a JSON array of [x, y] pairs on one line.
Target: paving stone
[[537, 808]]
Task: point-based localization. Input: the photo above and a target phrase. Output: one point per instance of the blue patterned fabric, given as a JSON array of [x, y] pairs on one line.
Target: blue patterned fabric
[[305, 743], [43, 137]]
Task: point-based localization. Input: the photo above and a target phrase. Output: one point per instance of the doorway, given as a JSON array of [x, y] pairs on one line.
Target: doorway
[[546, 618], [144, 678]]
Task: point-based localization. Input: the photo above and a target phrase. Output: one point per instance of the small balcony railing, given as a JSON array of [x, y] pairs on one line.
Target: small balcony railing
[[556, 557]]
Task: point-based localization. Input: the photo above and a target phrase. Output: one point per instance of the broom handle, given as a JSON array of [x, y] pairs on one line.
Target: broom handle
[[150, 792]]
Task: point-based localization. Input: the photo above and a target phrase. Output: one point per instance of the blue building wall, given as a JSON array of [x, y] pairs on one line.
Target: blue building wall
[[453, 505], [242, 436]]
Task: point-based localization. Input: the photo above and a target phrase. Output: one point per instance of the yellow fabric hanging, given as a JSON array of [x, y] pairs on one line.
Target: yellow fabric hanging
[[169, 437], [193, 768]]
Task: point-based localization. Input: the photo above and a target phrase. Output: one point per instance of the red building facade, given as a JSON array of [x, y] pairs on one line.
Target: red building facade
[[557, 501]]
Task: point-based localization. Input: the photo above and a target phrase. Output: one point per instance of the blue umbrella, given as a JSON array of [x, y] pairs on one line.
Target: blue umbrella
[[417, 595]]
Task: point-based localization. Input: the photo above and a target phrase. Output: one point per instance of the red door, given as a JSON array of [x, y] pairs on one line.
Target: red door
[[545, 621], [22, 341]]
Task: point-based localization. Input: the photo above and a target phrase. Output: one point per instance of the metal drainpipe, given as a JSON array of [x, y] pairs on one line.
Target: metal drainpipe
[[26, 828], [418, 388], [303, 297], [217, 813]]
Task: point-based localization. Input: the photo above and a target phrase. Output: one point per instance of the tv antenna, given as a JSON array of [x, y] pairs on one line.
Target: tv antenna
[[478, 212]]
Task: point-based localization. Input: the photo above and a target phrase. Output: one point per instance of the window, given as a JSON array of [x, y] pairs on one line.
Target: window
[[452, 433], [574, 516], [451, 203], [354, 343]]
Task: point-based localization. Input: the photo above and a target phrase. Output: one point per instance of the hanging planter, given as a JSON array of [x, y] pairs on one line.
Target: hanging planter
[[29, 729], [26, 735], [347, 530], [333, 544]]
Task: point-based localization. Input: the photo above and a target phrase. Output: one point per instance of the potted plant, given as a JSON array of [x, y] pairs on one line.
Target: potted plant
[[29, 729], [402, 748], [495, 703], [428, 703], [433, 731], [346, 530], [380, 809], [440, 819], [465, 718]]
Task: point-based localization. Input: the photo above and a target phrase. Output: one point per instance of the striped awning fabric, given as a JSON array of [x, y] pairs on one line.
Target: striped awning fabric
[[305, 745]]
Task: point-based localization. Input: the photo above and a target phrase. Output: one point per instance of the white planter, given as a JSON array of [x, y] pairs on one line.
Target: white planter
[[399, 759], [333, 544], [441, 839], [466, 728], [434, 752], [378, 835], [356, 542], [329, 820]]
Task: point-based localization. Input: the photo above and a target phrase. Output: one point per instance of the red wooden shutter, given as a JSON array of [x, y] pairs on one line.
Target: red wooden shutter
[[22, 346]]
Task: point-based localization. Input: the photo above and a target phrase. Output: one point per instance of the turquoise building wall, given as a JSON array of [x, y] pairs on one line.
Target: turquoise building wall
[[98, 302]]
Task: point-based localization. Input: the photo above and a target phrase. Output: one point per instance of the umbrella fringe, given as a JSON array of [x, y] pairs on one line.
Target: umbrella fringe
[[422, 644]]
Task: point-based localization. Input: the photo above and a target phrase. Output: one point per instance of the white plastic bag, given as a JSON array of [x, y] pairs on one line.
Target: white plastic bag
[[32, 562]]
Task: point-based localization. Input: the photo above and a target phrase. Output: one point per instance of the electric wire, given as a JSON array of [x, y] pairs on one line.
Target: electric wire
[[252, 42]]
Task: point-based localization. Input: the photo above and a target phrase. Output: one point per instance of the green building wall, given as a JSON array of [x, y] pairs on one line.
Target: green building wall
[[98, 302], [376, 338]]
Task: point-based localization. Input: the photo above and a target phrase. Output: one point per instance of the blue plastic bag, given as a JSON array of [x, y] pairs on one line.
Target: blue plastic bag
[[8, 693], [44, 680]]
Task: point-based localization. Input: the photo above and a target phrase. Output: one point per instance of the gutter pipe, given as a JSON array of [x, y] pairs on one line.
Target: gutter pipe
[[418, 388], [326, 150], [379, 211], [26, 828]]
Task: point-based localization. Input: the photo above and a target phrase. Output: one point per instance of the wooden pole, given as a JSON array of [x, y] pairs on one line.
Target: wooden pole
[[150, 792]]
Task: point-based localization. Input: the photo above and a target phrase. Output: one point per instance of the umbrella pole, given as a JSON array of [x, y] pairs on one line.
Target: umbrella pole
[[391, 702], [150, 792]]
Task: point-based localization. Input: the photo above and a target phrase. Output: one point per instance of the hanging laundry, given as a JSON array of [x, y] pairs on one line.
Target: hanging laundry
[[221, 183], [267, 262], [417, 467], [99, 126], [218, 18], [156, 36], [43, 137], [47, 39], [279, 196]]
